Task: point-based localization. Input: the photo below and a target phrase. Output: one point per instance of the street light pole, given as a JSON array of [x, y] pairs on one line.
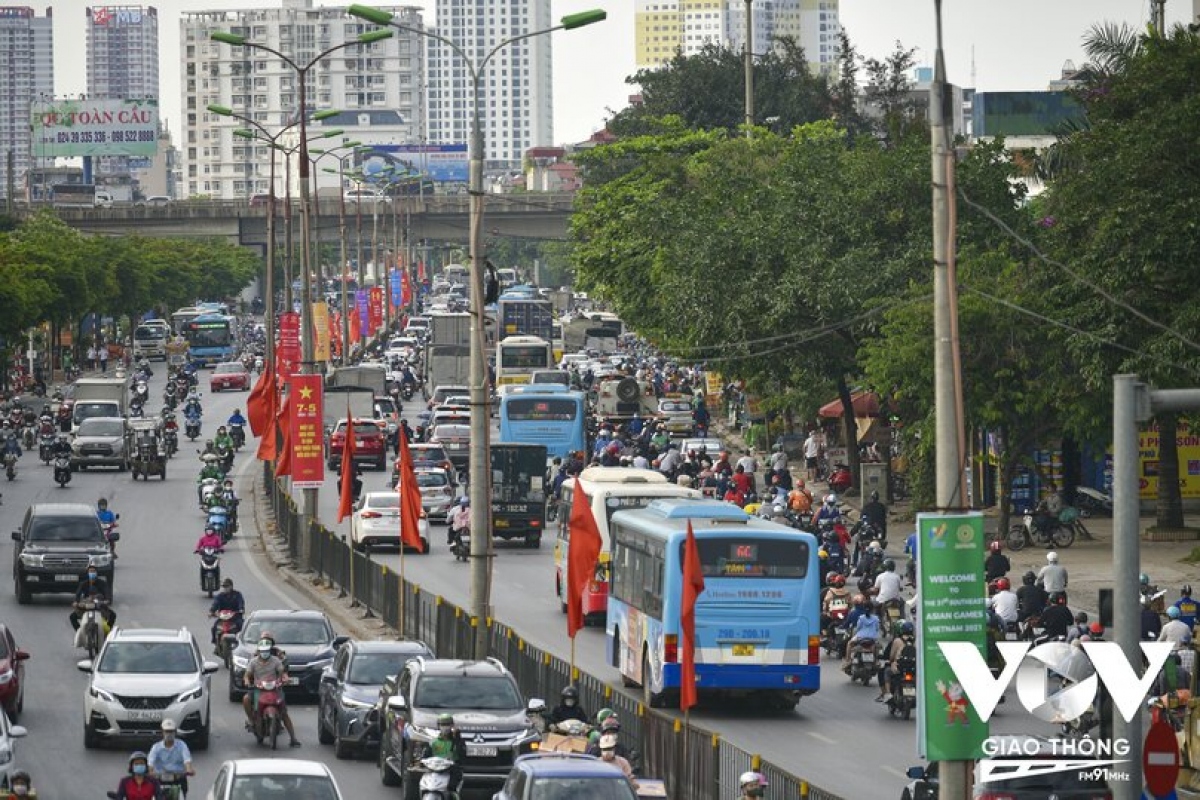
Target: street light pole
[[480, 469], [748, 68], [308, 514]]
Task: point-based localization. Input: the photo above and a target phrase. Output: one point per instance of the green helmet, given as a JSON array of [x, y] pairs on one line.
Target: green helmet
[[603, 714], [445, 719]]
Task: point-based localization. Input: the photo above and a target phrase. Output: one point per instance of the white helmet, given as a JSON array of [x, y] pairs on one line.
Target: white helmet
[[778, 509], [1052, 557], [830, 500], [874, 546], [751, 779]]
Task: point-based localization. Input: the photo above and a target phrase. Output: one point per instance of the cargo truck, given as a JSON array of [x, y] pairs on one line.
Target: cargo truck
[[526, 317], [99, 397]]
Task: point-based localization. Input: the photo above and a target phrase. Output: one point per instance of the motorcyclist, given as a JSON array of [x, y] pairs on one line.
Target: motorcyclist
[[236, 418], [12, 444], [211, 468], [1079, 628], [103, 513], [1053, 576], [237, 425], [222, 441], [171, 756], [1151, 622], [1175, 631], [191, 406], [568, 707], [752, 785], [1047, 513], [608, 752], [1056, 619], [1188, 608], [887, 585], [864, 630], [266, 666], [996, 565], [829, 510], [139, 784], [211, 539], [20, 786], [93, 588], [1031, 598], [1004, 603], [231, 500], [461, 519], [837, 596], [228, 599], [904, 640], [449, 744], [875, 513], [61, 446]]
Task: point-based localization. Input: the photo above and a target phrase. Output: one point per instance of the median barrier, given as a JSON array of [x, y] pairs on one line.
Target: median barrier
[[694, 762]]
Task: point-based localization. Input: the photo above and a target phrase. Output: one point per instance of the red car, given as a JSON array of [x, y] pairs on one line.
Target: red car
[[230, 375], [370, 444], [12, 674]]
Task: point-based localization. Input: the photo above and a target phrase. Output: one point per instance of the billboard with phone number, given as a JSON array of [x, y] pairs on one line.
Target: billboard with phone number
[[95, 128]]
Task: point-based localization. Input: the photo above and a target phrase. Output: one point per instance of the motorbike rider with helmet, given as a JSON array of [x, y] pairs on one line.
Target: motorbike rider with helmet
[[568, 707], [1188, 608], [139, 784], [1031, 598], [875, 513], [1004, 604], [836, 596], [752, 785], [829, 510], [449, 744], [1053, 576], [228, 599], [996, 565], [266, 666], [171, 756], [904, 639], [1175, 631], [461, 519], [93, 588], [20, 786], [1151, 622], [211, 468], [864, 629]]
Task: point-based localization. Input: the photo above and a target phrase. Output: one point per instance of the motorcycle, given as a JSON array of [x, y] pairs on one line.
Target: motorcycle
[[840, 479], [137, 408], [1058, 537], [191, 427], [406, 391], [93, 627], [171, 439], [268, 713], [862, 661], [225, 456], [227, 631], [230, 504], [172, 785], [62, 470], [1092, 502], [436, 779], [111, 534], [210, 570], [892, 612], [10, 465], [836, 634], [206, 492], [46, 448], [218, 520], [238, 434], [29, 436], [904, 690], [460, 544]]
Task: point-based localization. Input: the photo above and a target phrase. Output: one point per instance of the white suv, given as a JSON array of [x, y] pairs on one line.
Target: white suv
[[141, 677]]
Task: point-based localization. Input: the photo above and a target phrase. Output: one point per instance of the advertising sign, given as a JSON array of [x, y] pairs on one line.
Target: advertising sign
[[116, 16], [1188, 444], [375, 319], [95, 128], [444, 163], [950, 555], [320, 321], [360, 303], [307, 436], [396, 285], [287, 354]]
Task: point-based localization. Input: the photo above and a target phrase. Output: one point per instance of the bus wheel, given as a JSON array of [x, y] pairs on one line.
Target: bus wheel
[[559, 593], [651, 698], [533, 541]]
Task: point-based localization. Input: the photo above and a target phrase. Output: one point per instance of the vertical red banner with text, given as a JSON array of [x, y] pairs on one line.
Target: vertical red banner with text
[[307, 439], [375, 309], [287, 354]]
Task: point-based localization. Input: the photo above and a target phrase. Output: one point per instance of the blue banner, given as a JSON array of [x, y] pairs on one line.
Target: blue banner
[[397, 289]]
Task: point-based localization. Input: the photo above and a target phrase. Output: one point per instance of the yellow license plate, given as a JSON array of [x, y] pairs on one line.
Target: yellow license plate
[[743, 649], [500, 523]]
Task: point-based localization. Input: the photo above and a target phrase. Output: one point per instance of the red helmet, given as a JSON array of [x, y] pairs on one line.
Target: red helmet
[[995, 547], [838, 580], [1002, 585], [1096, 629]]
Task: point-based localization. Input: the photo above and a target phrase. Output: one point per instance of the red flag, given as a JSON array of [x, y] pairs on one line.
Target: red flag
[[410, 498], [284, 419], [258, 412], [693, 585], [583, 551], [267, 445], [346, 502], [355, 327]]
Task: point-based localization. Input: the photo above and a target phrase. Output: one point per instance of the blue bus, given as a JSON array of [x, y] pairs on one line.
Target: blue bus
[[757, 620], [211, 339], [545, 414]]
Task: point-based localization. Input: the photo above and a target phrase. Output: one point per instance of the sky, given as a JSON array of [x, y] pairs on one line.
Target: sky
[[1010, 45]]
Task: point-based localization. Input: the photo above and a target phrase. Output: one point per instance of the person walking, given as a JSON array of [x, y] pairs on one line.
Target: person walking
[[91, 357], [103, 354]]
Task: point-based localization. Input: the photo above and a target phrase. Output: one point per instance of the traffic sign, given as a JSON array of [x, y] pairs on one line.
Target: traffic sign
[[1160, 760]]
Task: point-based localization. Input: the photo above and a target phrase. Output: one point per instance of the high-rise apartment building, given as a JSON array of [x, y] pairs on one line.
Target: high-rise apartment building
[[517, 107], [122, 52], [664, 27], [385, 75], [26, 75]]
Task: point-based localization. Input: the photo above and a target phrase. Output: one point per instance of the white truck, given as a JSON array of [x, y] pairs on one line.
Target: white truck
[[98, 397]]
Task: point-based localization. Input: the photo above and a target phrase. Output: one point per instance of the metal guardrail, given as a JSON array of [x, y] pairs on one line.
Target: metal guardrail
[[695, 763]]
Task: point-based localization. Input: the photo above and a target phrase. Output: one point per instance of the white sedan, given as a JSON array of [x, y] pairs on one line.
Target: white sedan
[[249, 778], [376, 522]]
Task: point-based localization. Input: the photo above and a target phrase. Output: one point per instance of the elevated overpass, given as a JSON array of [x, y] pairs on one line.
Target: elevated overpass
[[437, 218]]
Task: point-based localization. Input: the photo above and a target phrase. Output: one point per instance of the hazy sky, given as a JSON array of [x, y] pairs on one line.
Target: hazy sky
[[1017, 44]]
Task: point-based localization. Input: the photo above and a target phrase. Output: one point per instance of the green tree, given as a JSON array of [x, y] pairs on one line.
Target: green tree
[[895, 113]]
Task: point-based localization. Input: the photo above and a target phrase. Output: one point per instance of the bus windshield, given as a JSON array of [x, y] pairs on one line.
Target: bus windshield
[[728, 557], [527, 356], [209, 334]]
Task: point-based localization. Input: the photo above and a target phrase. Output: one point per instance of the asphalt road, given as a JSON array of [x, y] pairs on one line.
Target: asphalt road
[[157, 585]]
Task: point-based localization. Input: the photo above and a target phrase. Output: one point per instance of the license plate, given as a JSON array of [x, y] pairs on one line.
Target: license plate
[[500, 523], [1011, 637], [145, 716], [868, 658], [61, 578], [743, 649], [481, 752], [910, 691], [293, 681]]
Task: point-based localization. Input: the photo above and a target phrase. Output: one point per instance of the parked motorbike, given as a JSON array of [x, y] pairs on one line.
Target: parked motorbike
[[210, 570], [62, 470], [1058, 535], [268, 714], [841, 478]]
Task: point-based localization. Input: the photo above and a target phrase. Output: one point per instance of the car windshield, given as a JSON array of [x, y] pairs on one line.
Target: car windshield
[[454, 691], [372, 669], [593, 788], [289, 631], [64, 529], [383, 500], [428, 454], [149, 658], [227, 369], [101, 428], [673, 407], [452, 432], [385, 405], [283, 787], [428, 480]]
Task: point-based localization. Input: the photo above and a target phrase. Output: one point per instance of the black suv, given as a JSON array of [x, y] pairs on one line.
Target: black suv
[[488, 711], [306, 639], [56, 544]]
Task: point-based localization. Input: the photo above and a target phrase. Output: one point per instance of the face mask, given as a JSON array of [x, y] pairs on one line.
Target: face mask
[[569, 703], [757, 791], [265, 655], [168, 738], [608, 755], [20, 790], [92, 576], [445, 730], [139, 769]]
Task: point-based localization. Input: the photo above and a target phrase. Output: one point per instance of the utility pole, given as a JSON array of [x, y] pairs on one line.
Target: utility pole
[[748, 67], [1158, 15], [953, 775]]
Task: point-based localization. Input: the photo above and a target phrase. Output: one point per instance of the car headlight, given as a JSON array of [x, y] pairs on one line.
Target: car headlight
[[100, 694], [320, 663], [350, 702], [241, 662], [31, 559], [6, 676], [192, 694], [101, 560], [6, 756], [530, 735]]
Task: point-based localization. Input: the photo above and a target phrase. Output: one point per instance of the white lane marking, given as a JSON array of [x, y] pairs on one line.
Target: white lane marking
[[895, 771], [822, 737]]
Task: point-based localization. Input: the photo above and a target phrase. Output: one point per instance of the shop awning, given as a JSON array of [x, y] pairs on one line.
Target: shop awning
[[866, 404]]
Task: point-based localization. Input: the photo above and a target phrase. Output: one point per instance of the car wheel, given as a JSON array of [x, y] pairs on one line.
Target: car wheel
[[411, 788], [235, 696], [386, 776], [24, 596], [323, 735], [90, 740], [342, 749], [201, 737]]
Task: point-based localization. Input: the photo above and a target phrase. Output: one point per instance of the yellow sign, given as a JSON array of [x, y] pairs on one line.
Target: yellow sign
[[712, 384], [320, 321], [1188, 444]]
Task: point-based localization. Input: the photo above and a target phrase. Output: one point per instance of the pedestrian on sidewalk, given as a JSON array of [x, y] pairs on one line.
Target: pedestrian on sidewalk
[[91, 357], [103, 357]]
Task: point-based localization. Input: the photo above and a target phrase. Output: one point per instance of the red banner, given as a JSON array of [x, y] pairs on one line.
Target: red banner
[[375, 310], [420, 272], [405, 289], [287, 354], [307, 439]]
